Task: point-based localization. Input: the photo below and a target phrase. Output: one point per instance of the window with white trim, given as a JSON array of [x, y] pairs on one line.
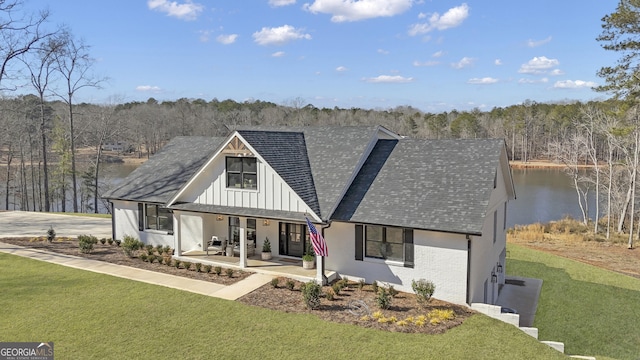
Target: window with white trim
[[242, 172]]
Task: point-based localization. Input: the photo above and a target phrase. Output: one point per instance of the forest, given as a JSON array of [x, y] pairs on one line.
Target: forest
[[52, 148]]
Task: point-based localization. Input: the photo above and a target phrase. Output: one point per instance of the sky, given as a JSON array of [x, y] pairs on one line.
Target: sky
[[374, 54]]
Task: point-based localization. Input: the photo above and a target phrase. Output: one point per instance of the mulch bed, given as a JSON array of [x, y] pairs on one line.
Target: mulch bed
[[350, 306], [115, 255]]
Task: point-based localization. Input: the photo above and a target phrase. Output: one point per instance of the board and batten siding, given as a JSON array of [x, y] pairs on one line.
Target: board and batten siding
[[439, 257], [210, 188]]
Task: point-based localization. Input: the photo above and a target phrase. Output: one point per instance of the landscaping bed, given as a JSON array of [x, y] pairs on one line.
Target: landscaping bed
[[114, 254], [354, 304]]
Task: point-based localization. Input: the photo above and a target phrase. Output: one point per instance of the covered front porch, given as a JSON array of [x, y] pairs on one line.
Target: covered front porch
[[277, 266]]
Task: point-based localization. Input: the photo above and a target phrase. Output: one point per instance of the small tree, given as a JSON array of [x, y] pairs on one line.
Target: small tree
[[311, 294], [424, 289]]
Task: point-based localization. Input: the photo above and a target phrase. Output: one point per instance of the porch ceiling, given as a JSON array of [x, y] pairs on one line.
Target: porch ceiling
[[238, 211]]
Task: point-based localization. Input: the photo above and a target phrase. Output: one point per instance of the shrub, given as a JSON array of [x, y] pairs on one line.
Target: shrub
[[118, 242], [143, 257], [159, 249], [361, 284], [424, 289], [166, 249], [198, 267], [86, 242], [383, 298], [336, 287], [148, 247], [186, 265], [266, 245], [150, 258], [275, 282], [129, 245], [177, 264], [51, 234], [329, 294], [311, 294], [103, 241], [207, 268], [217, 270], [167, 261], [392, 291], [345, 282], [229, 272], [374, 286], [290, 284], [110, 241]]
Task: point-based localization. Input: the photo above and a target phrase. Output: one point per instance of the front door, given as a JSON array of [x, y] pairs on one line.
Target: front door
[[292, 239]]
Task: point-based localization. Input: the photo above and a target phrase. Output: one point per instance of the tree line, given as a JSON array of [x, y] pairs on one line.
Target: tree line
[[47, 140]]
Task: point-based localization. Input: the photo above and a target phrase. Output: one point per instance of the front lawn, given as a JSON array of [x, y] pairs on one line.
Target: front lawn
[[593, 311], [94, 316]]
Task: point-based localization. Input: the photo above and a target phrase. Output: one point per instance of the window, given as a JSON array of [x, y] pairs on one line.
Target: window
[[495, 225], [158, 218], [382, 242], [251, 230], [242, 173], [234, 229]]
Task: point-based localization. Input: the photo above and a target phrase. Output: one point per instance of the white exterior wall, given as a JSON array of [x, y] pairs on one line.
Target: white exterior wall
[[485, 255], [210, 188], [125, 214], [439, 257]]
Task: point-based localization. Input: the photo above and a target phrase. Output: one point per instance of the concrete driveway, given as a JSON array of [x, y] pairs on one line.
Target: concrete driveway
[[30, 224]]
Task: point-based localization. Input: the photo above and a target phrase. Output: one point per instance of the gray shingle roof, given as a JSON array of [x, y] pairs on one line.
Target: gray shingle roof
[[334, 153], [158, 178], [441, 185], [286, 153]]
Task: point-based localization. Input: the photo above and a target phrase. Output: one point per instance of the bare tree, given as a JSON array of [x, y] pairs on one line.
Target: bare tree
[[20, 33], [73, 63]]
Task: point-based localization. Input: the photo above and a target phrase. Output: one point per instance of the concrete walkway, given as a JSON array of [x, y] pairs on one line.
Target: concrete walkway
[[521, 294], [230, 292]]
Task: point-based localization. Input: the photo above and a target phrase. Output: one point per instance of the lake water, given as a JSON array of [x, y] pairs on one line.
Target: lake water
[[542, 195]]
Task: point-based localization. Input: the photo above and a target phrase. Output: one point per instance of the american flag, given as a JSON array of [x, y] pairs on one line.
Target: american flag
[[319, 245]]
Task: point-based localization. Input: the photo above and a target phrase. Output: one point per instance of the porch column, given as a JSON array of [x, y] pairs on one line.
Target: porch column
[[177, 234], [320, 278], [243, 249]]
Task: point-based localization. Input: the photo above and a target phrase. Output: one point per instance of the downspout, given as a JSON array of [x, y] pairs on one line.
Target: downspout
[[113, 221], [325, 280], [468, 269]]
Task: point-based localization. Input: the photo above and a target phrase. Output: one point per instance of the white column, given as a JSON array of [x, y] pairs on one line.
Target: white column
[[177, 233], [243, 248], [319, 269]]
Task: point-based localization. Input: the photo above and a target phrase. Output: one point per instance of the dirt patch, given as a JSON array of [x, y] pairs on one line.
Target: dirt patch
[[114, 254], [611, 256], [352, 305]]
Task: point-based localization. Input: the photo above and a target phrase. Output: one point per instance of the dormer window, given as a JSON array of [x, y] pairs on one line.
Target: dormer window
[[242, 173]]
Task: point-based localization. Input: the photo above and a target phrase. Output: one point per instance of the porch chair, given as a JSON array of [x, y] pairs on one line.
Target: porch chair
[[216, 244]]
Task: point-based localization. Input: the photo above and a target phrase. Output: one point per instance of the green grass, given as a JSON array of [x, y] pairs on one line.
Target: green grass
[[593, 311], [105, 216], [94, 316]]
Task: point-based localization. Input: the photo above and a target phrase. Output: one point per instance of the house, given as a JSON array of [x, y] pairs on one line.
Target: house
[[392, 209]]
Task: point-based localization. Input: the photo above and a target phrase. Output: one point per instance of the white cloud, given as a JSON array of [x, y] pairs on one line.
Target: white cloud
[[571, 84], [452, 18], [227, 39], [341, 69], [482, 81], [463, 63], [187, 11], [425, 63], [533, 81], [438, 54], [538, 65], [535, 43], [279, 35], [148, 88], [356, 10], [389, 79], [556, 72], [277, 3], [278, 54], [497, 62], [383, 52]]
